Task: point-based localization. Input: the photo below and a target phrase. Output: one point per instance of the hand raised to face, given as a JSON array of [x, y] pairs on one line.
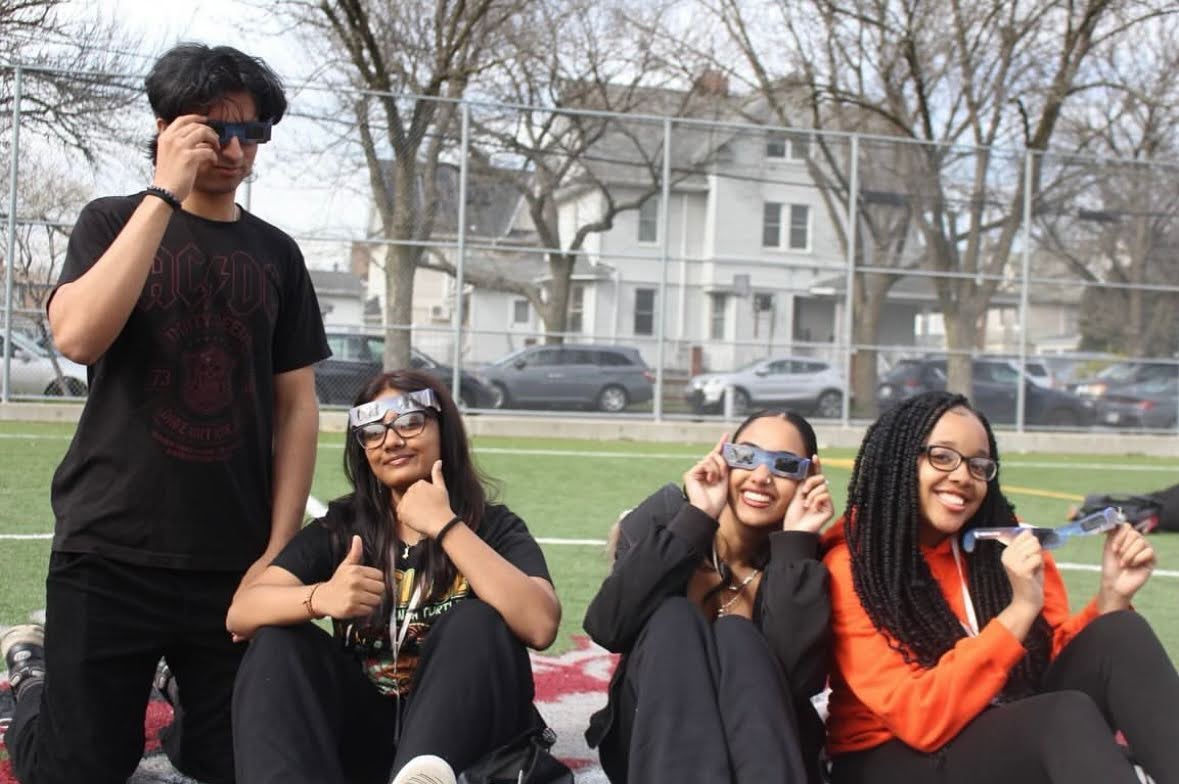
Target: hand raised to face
[[425, 505], [706, 483], [811, 507]]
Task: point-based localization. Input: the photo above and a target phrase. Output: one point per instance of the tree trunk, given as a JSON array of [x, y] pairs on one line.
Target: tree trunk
[[962, 330], [871, 293], [556, 311]]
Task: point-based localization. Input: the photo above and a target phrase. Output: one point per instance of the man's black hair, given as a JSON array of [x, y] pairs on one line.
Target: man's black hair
[[191, 77]]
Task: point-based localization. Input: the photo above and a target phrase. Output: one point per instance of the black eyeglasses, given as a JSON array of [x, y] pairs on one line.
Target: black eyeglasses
[[943, 458], [406, 426]]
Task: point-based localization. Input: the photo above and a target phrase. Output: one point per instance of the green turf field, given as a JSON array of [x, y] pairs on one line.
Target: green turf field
[[575, 489]]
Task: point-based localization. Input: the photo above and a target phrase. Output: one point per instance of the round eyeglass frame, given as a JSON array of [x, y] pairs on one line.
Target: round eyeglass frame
[[983, 469], [406, 426]]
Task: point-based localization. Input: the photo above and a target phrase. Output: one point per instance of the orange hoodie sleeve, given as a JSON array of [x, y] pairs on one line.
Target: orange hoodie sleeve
[[923, 707]]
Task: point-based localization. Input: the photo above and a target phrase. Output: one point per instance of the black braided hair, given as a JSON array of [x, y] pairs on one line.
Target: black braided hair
[[892, 579]]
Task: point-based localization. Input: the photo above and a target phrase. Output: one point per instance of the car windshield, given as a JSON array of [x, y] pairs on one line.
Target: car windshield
[[28, 345], [510, 358], [750, 366], [1122, 371]]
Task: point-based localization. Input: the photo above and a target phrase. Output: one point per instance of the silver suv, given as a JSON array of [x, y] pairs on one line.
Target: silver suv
[[33, 373], [800, 382]]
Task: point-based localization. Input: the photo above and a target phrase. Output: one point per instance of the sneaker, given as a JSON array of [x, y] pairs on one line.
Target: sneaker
[[426, 769], [165, 683], [23, 649]]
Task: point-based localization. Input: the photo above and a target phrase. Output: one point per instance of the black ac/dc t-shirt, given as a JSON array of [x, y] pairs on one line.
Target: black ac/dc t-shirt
[[171, 461], [313, 557]]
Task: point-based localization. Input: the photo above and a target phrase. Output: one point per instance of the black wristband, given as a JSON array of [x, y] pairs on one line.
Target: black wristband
[[444, 530], [164, 194]]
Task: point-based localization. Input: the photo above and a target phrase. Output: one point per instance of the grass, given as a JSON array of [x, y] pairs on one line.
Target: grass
[[575, 490]]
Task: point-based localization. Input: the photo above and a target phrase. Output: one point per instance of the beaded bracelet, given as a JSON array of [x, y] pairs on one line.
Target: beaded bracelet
[[163, 194]]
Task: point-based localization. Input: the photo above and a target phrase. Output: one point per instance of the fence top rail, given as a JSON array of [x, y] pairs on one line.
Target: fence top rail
[[7, 65]]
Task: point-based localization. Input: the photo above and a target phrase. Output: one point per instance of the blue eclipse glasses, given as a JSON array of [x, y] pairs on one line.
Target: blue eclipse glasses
[[255, 132], [748, 457], [1050, 538]]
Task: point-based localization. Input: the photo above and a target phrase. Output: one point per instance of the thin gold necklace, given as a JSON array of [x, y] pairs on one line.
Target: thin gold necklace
[[736, 589]]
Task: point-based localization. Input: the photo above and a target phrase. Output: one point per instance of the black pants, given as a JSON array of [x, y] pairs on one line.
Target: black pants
[[1113, 675], [702, 702], [304, 711], [107, 625]]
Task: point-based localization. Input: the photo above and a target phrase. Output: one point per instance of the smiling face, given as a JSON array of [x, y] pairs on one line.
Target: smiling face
[[398, 462], [757, 498], [949, 499]]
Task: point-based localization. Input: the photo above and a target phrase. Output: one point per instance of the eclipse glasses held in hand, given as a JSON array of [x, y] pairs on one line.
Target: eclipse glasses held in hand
[[1050, 538], [255, 132], [748, 457]]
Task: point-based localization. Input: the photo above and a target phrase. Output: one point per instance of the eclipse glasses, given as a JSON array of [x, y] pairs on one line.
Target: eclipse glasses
[[748, 457], [254, 132], [375, 411], [1050, 538]]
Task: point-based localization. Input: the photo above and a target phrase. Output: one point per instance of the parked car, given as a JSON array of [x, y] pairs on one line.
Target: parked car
[[1120, 375], [1151, 404], [994, 390], [608, 378], [32, 371], [358, 357], [799, 382]]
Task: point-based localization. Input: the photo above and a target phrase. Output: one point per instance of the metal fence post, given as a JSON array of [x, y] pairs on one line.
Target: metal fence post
[[1026, 263], [10, 261], [461, 250], [664, 222], [853, 198]]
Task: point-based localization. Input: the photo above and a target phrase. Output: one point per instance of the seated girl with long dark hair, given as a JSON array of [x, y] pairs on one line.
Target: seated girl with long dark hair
[[958, 667], [433, 592], [718, 603]]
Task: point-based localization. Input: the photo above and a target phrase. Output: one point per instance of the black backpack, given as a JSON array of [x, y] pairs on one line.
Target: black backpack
[[1147, 512]]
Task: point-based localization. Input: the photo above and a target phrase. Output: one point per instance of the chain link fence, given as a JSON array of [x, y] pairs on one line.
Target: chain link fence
[[682, 263]]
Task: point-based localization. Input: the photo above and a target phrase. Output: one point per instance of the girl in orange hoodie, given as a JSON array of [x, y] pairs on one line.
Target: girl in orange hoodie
[[957, 667]]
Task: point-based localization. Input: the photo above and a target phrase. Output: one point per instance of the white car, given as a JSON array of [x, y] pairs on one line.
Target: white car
[[32, 371], [800, 382]]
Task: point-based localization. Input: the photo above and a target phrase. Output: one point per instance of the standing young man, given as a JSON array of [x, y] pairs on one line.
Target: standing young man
[[192, 461]]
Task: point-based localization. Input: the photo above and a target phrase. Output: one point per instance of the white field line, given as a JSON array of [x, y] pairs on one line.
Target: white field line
[[1066, 565]]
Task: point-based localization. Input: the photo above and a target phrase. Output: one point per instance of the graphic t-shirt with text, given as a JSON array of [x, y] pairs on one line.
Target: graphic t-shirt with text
[[171, 462], [312, 557]]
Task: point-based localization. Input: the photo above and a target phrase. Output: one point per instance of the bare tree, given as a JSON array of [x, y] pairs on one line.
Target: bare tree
[[73, 76], [968, 81], [407, 64], [567, 63], [1117, 221]]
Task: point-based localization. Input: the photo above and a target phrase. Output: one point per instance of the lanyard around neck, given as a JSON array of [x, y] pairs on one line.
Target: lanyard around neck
[[971, 624], [397, 633]]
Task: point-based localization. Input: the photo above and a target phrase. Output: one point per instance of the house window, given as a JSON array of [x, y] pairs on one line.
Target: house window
[[776, 144], [798, 234], [800, 227], [520, 311], [720, 303], [788, 145], [644, 312], [576, 309], [649, 220], [771, 225]]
